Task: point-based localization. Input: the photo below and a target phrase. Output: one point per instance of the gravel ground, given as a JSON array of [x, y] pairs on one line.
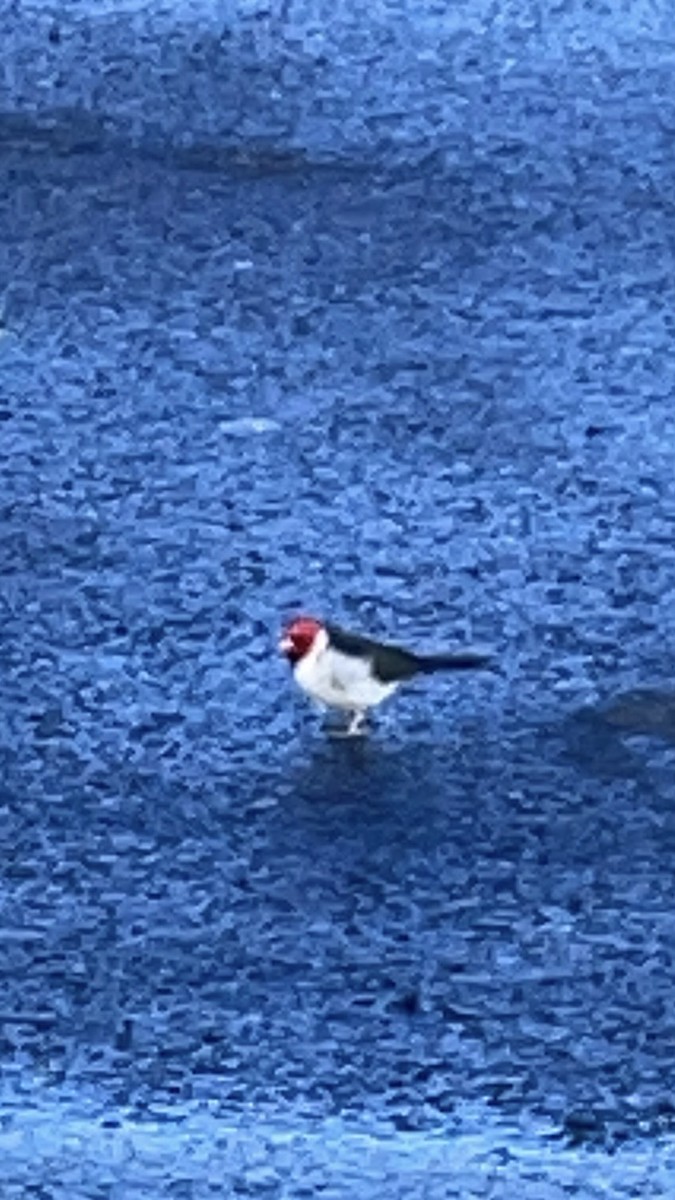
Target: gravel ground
[[369, 315]]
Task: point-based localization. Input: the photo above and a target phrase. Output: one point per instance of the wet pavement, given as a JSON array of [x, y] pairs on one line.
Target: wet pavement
[[416, 375]]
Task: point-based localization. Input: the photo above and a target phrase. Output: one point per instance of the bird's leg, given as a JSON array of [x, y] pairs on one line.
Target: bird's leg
[[354, 728], [356, 725]]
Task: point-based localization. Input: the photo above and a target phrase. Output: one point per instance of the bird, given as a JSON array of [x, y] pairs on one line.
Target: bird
[[348, 671]]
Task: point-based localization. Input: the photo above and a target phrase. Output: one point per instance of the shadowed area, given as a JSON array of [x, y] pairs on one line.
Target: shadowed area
[[644, 711], [409, 369]]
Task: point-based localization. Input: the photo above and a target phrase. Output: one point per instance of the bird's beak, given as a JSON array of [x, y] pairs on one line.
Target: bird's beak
[[285, 644]]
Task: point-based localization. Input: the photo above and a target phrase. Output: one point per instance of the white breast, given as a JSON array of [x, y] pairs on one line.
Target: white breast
[[339, 680]]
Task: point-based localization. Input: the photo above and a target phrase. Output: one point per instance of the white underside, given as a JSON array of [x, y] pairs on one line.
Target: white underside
[[340, 680]]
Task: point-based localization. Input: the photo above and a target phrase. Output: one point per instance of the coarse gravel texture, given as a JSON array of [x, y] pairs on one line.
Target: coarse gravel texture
[[366, 311]]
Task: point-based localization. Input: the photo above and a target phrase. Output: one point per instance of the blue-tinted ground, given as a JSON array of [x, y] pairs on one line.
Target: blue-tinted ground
[[404, 357]]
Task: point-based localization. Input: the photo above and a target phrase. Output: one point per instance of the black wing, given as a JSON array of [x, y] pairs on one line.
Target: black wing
[[389, 664]]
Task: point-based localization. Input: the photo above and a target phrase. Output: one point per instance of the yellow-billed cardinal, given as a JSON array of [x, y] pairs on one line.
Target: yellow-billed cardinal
[[353, 673]]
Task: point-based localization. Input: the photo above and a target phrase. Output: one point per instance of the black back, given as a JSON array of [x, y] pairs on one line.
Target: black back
[[389, 664]]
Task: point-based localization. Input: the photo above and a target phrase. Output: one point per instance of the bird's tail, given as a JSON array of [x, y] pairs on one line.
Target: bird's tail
[[463, 660]]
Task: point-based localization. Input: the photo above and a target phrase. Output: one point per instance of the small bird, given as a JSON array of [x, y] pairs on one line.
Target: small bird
[[354, 673]]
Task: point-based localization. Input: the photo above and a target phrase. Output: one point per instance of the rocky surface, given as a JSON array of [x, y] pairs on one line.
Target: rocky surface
[[394, 345]]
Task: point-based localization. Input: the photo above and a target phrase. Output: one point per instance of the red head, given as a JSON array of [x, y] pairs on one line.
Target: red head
[[298, 637]]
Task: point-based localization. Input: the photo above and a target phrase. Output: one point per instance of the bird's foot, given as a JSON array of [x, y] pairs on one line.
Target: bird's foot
[[357, 727]]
